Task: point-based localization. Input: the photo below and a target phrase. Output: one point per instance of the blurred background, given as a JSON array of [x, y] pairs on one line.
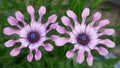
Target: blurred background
[[110, 9]]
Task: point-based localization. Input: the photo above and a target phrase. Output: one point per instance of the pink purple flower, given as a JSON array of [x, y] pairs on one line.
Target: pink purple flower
[[31, 36], [84, 37]]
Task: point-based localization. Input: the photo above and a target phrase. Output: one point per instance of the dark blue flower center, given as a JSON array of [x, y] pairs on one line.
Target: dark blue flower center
[[83, 39], [33, 37]]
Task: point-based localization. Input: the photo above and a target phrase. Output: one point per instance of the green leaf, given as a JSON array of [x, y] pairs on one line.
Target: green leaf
[[94, 4], [106, 9], [109, 63]]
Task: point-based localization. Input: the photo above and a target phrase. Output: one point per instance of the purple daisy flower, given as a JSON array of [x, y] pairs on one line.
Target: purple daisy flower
[[84, 37], [33, 35]]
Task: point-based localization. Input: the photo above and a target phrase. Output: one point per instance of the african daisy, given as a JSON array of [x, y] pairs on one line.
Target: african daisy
[[31, 36], [84, 37]]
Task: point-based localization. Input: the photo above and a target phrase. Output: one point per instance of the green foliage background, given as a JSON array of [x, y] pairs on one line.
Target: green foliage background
[[56, 58]]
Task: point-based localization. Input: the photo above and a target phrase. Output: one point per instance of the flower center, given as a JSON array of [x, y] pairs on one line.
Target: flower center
[[33, 37], [83, 39]]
